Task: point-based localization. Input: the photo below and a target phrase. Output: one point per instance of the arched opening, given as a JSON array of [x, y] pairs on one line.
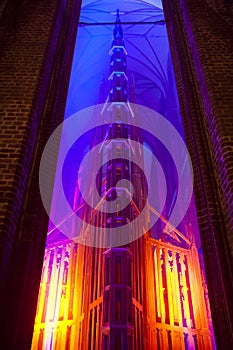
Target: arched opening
[[174, 301]]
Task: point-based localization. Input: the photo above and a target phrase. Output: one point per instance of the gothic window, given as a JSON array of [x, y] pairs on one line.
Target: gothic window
[[118, 270]]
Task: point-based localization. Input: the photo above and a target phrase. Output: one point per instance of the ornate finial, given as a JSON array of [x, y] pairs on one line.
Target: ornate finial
[[118, 15], [117, 32]]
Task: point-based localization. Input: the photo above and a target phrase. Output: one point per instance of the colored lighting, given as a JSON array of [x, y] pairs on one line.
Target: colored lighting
[[159, 283]]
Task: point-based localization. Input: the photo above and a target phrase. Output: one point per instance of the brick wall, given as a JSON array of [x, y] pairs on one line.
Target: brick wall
[[21, 64], [37, 40], [201, 37]]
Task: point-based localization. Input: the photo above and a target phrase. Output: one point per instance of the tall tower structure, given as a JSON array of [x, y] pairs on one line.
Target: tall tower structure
[[148, 294], [119, 288]]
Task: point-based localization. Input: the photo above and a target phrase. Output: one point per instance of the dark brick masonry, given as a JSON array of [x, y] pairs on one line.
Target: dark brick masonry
[[37, 41], [201, 36]]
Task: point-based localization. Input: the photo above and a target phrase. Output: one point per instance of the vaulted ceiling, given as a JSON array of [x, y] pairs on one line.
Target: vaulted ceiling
[[149, 61]]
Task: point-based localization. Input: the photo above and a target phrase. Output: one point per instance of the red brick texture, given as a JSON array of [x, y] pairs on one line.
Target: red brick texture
[[37, 42], [201, 38]]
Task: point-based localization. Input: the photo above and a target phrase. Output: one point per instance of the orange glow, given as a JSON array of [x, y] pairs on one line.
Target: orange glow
[[174, 304]]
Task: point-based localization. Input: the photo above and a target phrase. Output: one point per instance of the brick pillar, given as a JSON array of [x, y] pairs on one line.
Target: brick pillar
[[37, 41], [200, 34]]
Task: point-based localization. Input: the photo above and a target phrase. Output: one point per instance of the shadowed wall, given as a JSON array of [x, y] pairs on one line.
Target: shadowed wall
[[201, 35]]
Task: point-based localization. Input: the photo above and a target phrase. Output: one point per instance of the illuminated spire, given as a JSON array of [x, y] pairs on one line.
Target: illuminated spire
[[118, 32], [118, 78]]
